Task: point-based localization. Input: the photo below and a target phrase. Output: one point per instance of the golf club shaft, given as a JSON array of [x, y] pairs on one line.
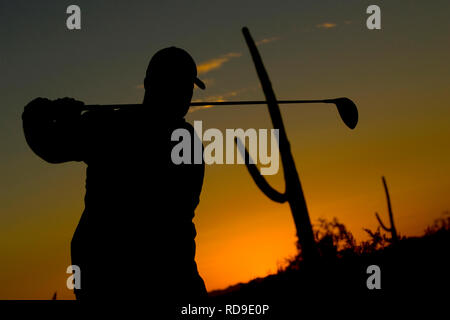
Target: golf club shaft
[[208, 103]]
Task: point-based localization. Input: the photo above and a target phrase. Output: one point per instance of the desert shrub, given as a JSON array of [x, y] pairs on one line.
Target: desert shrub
[[441, 225], [378, 240], [333, 239]]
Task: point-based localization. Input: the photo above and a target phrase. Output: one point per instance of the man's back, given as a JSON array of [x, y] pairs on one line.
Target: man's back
[[136, 233]]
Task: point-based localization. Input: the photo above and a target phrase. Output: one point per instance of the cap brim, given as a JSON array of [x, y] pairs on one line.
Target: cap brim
[[199, 83]]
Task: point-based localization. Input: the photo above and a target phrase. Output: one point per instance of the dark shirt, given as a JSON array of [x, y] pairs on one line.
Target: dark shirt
[[136, 232]]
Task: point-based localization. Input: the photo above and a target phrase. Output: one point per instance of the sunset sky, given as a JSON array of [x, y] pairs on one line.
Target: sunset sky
[[398, 77]]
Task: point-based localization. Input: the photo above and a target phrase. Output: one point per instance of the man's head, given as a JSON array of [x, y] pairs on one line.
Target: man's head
[[169, 82]]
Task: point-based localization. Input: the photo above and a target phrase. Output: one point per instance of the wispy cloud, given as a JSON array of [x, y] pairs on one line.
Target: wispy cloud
[[216, 63], [208, 82], [326, 25], [266, 40], [210, 65], [196, 108], [216, 98]]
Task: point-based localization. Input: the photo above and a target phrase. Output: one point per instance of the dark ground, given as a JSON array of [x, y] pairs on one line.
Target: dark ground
[[414, 270], [414, 277]]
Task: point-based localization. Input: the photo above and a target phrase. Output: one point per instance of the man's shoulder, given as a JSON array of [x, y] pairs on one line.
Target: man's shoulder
[[183, 124]]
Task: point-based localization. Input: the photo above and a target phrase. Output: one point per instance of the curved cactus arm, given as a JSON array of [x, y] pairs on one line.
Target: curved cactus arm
[[381, 223], [262, 184]]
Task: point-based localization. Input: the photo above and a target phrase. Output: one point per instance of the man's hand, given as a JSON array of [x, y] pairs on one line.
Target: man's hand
[[68, 108], [53, 128], [65, 109]]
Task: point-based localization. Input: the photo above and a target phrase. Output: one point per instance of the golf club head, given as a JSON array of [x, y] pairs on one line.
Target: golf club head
[[347, 110]]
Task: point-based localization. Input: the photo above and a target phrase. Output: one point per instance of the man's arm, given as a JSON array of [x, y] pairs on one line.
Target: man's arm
[[53, 129]]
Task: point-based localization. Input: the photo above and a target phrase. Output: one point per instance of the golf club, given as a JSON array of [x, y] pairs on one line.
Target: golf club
[[346, 107]]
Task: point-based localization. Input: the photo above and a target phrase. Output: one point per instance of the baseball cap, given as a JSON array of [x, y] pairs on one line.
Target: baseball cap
[[173, 61]]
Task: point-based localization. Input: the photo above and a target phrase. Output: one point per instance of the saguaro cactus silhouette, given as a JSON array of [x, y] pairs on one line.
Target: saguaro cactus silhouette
[[293, 193], [392, 229]]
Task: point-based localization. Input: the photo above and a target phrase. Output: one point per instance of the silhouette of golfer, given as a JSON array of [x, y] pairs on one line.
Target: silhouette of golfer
[[135, 238]]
